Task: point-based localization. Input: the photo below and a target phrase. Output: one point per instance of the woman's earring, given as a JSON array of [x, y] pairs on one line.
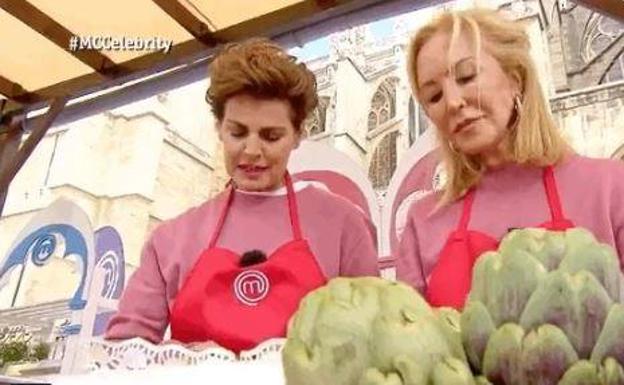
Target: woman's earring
[[452, 147], [517, 106]]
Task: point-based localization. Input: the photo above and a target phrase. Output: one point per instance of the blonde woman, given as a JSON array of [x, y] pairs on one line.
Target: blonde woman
[[508, 166]]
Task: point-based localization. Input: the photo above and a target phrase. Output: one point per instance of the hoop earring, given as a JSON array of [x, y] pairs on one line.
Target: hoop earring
[[517, 111], [452, 147]]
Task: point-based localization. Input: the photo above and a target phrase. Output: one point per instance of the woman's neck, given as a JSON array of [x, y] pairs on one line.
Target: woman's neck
[[495, 159]]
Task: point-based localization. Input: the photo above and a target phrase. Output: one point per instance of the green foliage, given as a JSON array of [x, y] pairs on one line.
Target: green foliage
[[40, 351], [13, 351]]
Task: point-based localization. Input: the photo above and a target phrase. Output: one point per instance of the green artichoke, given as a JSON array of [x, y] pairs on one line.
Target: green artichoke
[[546, 308], [370, 331]]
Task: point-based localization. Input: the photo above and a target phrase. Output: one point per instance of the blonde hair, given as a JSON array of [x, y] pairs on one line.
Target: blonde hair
[[535, 140], [263, 69]]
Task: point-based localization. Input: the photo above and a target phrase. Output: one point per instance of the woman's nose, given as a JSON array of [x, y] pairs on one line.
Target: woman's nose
[[454, 98], [253, 146]]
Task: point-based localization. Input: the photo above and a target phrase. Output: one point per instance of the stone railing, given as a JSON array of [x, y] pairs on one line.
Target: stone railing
[[587, 96]]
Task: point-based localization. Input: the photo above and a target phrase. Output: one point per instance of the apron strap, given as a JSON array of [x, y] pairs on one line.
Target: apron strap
[[292, 210], [552, 194], [554, 203], [466, 210], [222, 215], [292, 207]]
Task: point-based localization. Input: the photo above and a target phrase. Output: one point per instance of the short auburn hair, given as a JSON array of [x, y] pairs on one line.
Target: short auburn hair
[[263, 69]]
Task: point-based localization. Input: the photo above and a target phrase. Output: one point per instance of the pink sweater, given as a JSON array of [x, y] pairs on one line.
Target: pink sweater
[[339, 235], [591, 192]]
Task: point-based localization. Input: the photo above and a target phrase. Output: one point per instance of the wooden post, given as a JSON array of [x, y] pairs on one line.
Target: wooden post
[[12, 159], [9, 143]]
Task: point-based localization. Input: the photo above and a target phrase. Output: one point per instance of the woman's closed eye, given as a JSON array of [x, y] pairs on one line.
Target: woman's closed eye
[[465, 71], [236, 129], [466, 79], [435, 97], [238, 133], [271, 135]]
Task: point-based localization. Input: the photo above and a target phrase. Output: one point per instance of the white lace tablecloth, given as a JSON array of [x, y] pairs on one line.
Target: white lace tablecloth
[[246, 373], [139, 362]]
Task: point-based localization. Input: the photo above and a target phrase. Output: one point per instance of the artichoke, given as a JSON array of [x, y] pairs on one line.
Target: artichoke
[[546, 308], [370, 331]]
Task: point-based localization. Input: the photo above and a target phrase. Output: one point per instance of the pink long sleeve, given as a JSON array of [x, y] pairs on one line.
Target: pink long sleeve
[[591, 193], [617, 213], [359, 251], [148, 317], [409, 263], [338, 234]]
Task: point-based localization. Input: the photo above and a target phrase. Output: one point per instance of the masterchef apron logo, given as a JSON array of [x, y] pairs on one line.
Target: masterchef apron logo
[[250, 287]]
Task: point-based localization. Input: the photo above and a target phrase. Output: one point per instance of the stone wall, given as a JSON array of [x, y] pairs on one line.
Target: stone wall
[[592, 119], [126, 171]]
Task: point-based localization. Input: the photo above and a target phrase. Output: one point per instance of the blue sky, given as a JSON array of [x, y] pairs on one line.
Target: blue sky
[[313, 49], [382, 28], [316, 48], [379, 29]]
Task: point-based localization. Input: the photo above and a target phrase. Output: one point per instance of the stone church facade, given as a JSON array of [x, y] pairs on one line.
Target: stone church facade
[[143, 163], [367, 109]]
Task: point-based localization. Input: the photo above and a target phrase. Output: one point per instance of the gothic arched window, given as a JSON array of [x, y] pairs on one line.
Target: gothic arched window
[[599, 34], [317, 120], [384, 161], [383, 104], [616, 71]]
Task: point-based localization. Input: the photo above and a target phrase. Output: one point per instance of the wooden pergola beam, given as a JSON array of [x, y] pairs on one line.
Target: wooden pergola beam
[[610, 8], [270, 24], [13, 159], [9, 143], [325, 4], [188, 21], [59, 35], [83, 85], [10, 89]]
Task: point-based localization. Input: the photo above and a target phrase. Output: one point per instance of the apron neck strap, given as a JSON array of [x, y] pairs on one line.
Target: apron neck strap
[[466, 210], [222, 215], [292, 207], [554, 203], [550, 185], [292, 210]]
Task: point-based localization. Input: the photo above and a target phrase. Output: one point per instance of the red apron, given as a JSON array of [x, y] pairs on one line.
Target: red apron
[[451, 277], [240, 307]]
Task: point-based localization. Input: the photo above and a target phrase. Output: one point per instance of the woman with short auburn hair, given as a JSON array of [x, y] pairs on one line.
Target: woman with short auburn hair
[[233, 270]]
